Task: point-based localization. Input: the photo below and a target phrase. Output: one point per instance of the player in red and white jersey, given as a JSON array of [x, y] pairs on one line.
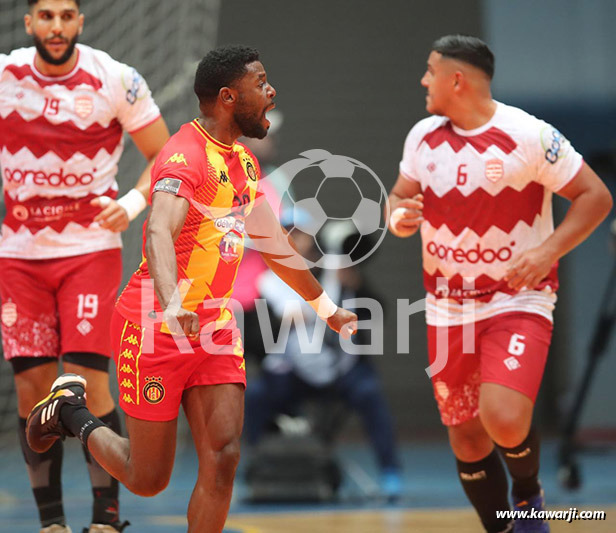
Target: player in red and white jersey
[[477, 177], [63, 110]]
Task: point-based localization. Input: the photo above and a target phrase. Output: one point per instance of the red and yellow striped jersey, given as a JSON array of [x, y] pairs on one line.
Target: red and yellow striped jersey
[[220, 182]]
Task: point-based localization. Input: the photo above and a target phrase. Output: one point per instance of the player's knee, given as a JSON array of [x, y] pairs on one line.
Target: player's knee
[[28, 395], [227, 458], [508, 427], [148, 484], [469, 441]]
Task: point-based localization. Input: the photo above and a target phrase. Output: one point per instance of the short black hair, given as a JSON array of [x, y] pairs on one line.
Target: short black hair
[[222, 67], [468, 49], [34, 2]]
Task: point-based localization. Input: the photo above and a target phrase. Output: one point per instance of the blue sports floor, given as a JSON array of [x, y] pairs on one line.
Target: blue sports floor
[[429, 483]]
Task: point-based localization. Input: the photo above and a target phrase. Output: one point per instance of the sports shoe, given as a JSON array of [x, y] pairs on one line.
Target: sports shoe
[[536, 502], [43, 426], [118, 527], [107, 528], [391, 484], [56, 528]]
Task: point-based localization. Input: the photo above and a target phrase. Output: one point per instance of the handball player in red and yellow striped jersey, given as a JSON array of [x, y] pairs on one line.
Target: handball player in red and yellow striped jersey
[[174, 334]]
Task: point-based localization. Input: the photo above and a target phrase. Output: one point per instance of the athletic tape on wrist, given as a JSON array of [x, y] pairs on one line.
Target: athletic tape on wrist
[[323, 306], [133, 203]]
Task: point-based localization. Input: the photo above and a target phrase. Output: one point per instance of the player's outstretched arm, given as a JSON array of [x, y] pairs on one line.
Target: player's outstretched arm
[[279, 253], [164, 224], [591, 202], [406, 207], [117, 215]]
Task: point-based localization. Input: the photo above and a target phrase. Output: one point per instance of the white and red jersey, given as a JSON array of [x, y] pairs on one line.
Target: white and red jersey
[[60, 141], [487, 198]]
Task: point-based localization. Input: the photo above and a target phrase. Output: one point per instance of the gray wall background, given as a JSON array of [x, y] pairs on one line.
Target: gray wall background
[[347, 76]]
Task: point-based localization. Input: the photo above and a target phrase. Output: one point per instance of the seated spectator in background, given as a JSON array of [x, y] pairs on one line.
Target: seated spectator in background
[[288, 378]]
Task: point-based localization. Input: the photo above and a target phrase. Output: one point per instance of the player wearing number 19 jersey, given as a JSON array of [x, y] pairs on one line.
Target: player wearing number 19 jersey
[[478, 178], [64, 108]]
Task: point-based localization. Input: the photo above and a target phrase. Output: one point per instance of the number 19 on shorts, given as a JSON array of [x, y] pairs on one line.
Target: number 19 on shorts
[[87, 305]]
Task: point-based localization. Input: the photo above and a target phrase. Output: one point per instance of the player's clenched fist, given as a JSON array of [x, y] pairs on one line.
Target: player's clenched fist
[[343, 322], [182, 322]]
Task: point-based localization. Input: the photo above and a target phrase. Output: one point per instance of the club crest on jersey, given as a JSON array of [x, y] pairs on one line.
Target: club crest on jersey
[[250, 170], [495, 170], [153, 390], [84, 105]]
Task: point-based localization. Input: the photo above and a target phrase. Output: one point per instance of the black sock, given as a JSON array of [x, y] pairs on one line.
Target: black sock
[[105, 489], [485, 485], [523, 465], [44, 470], [79, 421]]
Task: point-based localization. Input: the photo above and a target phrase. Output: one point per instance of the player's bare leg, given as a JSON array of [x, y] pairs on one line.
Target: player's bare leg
[[142, 463], [216, 416], [469, 441], [32, 385], [44, 469]]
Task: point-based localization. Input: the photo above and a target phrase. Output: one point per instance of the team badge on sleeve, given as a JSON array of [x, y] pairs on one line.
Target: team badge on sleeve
[[170, 185]]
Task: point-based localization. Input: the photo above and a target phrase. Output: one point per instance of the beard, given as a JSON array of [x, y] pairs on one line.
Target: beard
[[48, 58], [250, 123]]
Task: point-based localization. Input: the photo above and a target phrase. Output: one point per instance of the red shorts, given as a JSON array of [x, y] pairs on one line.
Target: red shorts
[[153, 371], [509, 349], [56, 306]]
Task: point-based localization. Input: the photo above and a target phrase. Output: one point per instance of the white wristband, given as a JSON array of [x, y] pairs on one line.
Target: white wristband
[[324, 306], [133, 203]]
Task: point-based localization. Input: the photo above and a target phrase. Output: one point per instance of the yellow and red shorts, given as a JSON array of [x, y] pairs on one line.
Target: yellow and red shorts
[[155, 368]]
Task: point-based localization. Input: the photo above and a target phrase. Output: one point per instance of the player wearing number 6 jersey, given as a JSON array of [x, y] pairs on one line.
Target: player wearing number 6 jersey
[[477, 177], [63, 110]]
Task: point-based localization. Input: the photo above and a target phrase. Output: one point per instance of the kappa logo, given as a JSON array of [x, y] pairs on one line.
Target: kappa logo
[[126, 369], [177, 158], [126, 383], [223, 177]]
